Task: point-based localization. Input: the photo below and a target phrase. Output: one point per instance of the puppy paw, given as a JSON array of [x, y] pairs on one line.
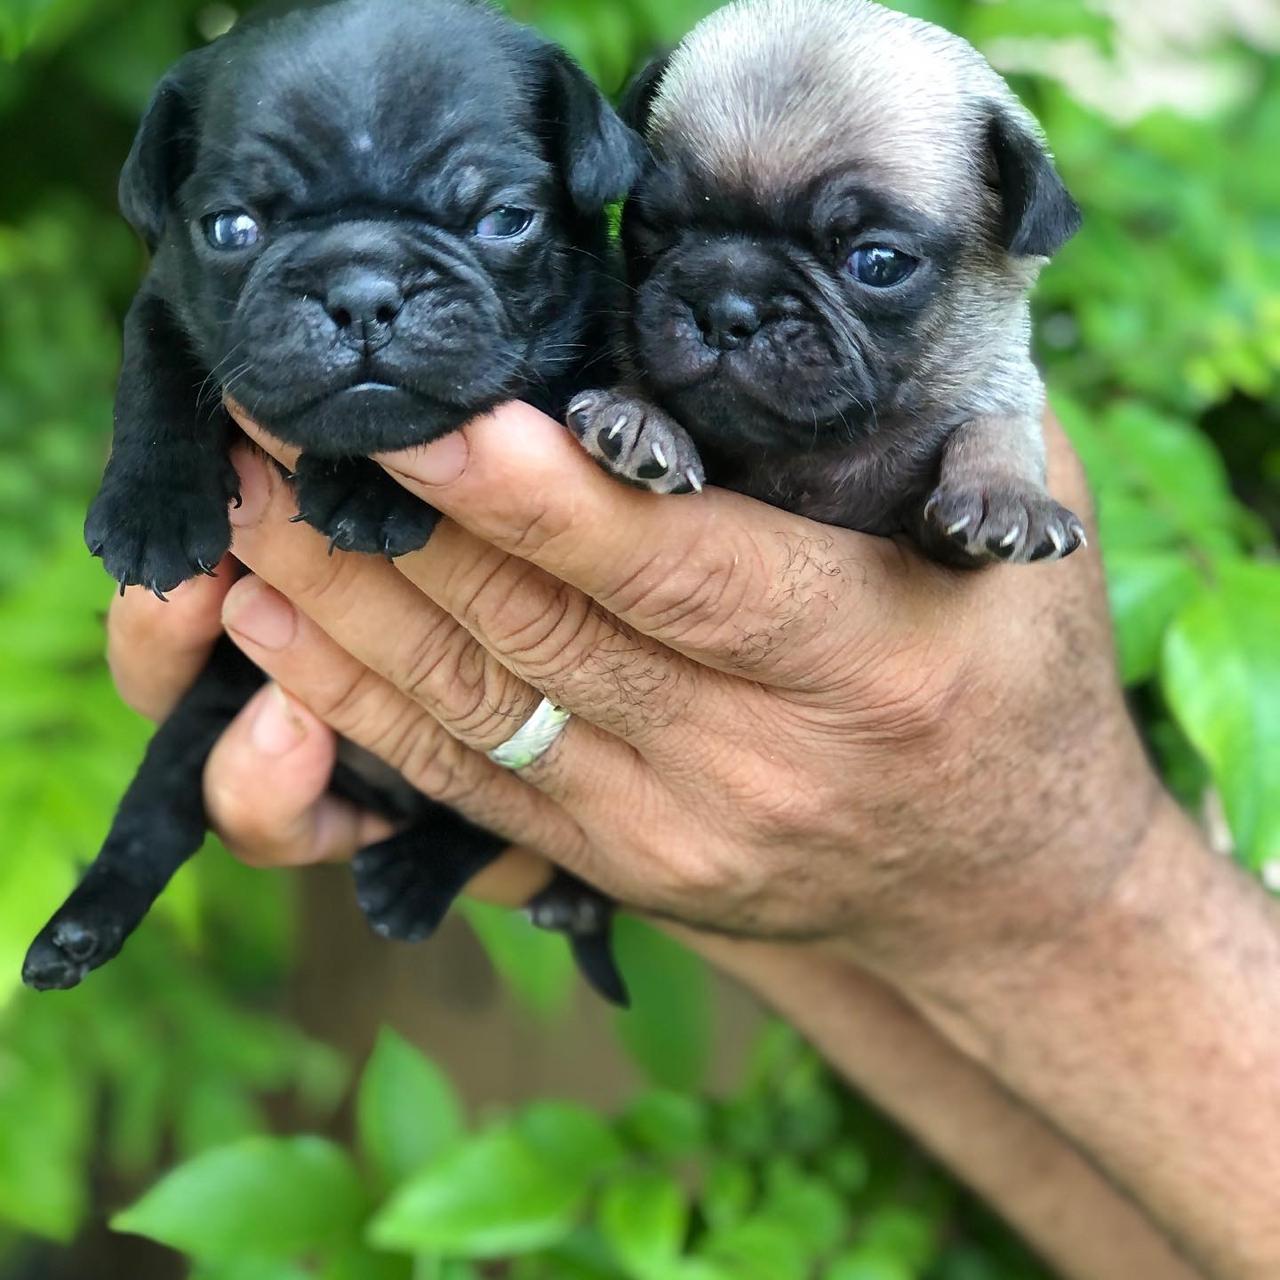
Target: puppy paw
[[158, 528], [358, 507], [397, 892], [85, 933], [567, 905], [1000, 522], [636, 442]]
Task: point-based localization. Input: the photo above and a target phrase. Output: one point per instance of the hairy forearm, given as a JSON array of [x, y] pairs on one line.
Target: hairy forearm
[[1039, 1183], [1150, 1035]]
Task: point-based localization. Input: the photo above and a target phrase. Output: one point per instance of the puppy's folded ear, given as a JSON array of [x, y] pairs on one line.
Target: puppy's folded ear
[[599, 156], [638, 96], [1039, 214], [161, 155]]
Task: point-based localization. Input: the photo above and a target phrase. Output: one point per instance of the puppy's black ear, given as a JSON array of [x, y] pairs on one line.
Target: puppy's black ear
[[160, 157], [1039, 214], [637, 97], [599, 156]]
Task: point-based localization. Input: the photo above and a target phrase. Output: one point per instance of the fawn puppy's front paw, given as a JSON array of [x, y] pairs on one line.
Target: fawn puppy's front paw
[[1001, 521], [637, 442], [158, 528]]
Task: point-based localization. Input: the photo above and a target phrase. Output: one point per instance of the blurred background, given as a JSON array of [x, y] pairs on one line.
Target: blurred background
[[257, 1089]]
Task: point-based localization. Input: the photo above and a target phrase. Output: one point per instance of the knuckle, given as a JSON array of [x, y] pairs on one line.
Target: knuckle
[[240, 819], [697, 598], [437, 764], [360, 706], [911, 702], [538, 530], [460, 685]]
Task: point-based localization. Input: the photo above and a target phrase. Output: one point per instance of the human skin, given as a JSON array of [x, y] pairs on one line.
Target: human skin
[[267, 793], [797, 733]]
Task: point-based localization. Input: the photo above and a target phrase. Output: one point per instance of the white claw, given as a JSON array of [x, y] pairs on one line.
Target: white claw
[[959, 525], [692, 477], [581, 403], [619, 422], [658, 456], [1084, 541], [1012, 536], [1056, 538]]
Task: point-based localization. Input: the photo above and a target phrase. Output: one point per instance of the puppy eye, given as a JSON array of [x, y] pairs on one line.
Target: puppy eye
[[880, 267], [503, 223], [232, 229]]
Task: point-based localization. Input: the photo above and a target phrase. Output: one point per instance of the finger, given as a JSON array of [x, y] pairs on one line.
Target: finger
[[717, 576], [266, 788], [156, 648], [538, 636], [267, 793], [370, 711], [728, 581]]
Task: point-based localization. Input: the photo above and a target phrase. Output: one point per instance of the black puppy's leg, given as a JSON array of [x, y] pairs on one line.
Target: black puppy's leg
[[406, 884], [636, 441], [572, 907], [159, 825], [160, 516], [990, 503], [358, 507]]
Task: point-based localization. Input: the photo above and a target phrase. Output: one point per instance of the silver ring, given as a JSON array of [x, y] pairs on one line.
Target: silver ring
[[533, 738]]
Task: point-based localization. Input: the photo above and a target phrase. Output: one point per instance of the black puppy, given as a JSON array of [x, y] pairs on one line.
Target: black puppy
[[370, 220]]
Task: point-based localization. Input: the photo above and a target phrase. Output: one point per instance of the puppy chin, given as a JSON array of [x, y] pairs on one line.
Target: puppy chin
[[361, 420], [761, 399]]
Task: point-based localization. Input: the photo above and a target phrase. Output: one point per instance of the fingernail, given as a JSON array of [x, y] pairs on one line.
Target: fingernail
[[255, 487], [438, 463], [259, 614], [277, 728]]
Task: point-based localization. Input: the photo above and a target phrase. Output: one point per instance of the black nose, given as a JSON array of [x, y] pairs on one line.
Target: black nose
[[727, 320], [364, 305]]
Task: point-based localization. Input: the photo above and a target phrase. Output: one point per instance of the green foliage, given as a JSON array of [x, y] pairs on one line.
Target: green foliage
[[407, 1111], [565, 1193], [1160, 334]]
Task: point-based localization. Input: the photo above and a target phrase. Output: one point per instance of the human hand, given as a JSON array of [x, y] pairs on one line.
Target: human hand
[[780, 729], [266, 784]]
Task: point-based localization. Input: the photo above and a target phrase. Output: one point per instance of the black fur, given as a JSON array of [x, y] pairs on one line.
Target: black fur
[[1040, 214], [367, 138]]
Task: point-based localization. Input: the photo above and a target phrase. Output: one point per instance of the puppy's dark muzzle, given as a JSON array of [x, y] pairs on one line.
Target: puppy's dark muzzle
[[363, 306]]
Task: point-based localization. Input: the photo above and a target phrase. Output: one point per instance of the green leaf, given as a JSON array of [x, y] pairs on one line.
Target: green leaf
[[668, 1027], [251, 1269], [536, 964], [806, 1204], [488, 1197], [1221, 676], [909, 1235], [728, 1191], [406, 1109], [570, 1137], [45, 1124], [869, 1264], [758, 1249], [266, 1197], [644, 1217], [669, 1125], [1147, 590]]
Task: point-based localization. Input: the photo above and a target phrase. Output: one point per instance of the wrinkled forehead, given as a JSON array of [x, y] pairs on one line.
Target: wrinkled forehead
[[767, 97], [379, 105]]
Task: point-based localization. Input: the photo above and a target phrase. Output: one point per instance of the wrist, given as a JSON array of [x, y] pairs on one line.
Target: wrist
[[1064, 938], [1149, 1034]]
